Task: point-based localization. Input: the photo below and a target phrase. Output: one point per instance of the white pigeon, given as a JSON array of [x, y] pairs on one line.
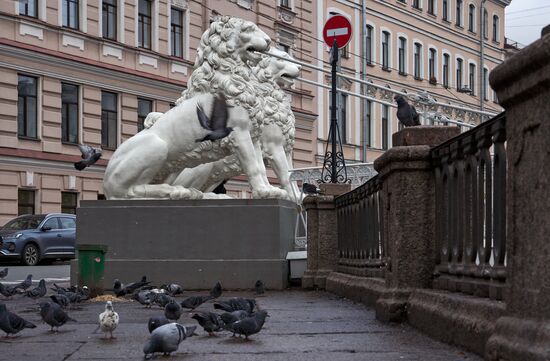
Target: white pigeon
[[108, 319]]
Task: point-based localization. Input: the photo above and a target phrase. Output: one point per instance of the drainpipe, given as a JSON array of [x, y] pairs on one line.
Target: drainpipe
[[364, 75], [482, 57]]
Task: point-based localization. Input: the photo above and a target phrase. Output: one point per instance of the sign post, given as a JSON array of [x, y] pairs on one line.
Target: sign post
[[337, 34]]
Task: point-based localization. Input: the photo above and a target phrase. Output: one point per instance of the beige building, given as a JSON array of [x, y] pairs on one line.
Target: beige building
[[88, 71]]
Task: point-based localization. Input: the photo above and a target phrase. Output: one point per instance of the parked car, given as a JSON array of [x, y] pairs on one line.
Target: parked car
[[39, 237]]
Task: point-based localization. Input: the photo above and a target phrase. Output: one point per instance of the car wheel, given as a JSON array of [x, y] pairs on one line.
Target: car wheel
[[31, 255]]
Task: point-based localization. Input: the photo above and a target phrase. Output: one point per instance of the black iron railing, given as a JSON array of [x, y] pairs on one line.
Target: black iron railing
[[470, 178], [361, 248]]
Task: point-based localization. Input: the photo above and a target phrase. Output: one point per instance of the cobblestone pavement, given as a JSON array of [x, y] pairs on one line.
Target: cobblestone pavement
[[303, 325]]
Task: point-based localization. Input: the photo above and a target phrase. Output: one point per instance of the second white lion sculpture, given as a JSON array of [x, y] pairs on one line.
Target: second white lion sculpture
[[146, 165]]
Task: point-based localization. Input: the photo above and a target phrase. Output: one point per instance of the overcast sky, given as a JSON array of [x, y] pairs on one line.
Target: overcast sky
[[525, 19]]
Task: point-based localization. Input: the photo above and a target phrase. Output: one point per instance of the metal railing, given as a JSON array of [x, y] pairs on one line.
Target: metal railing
[[361, 247], [470, 189]]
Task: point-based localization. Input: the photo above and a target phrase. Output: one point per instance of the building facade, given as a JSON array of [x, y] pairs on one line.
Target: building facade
[[89, 71]]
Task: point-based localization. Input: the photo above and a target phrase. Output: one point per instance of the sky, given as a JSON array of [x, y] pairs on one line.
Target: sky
[[525, 19]]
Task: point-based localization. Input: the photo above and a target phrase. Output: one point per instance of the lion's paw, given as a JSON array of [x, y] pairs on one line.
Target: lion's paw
[[180, 192], [270, 192]]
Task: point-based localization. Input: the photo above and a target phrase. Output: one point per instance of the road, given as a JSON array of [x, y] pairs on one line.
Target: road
[[55, 273]]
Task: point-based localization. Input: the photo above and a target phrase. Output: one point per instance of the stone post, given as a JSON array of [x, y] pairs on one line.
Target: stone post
[[408, 196], [523, 87], [322, 235]]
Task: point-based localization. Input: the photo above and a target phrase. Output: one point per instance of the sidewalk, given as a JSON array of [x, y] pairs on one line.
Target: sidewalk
[[303, 325]]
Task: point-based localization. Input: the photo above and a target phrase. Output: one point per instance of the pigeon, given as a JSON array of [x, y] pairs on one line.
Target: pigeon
[[172, 310], [194, 301], [235, 304], [90, 155], [3, 273], [38, 292], [120, 290], [259, 287], [8, 291], [167, 338], [231, 317], [217, 123], [10, 323], [309, 188], [173, 289], [156, 321], [406, 113], [211, 322], [24, 284], [144, 297], [54, 315], [108, 319], [216, 291], [73, 297], [249, 325], [61, 300], [161, 299]]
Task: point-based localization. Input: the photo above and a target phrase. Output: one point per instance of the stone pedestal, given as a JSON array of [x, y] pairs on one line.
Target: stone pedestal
[[193, 243], [409, 198], [523, 87], [322, 235]]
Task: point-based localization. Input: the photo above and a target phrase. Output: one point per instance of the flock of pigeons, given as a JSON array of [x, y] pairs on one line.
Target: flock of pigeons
[[240, 316]]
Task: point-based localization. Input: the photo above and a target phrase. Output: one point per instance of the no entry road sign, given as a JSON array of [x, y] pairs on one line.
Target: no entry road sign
[[337, 27]]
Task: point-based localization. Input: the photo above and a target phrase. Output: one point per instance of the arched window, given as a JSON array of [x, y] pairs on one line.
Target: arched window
[[432, 55], [402, 55], [485, 24], [369, 44], [431, 7], [417, 60], [485, 83], [459, 12], [446, 10], [472, 79], [495, 28], [459, 64], [385, 50], [446, 70], [472, 18]]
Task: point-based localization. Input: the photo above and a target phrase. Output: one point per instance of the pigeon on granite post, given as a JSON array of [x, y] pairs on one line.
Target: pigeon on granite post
[[11, 323], [406, 113]]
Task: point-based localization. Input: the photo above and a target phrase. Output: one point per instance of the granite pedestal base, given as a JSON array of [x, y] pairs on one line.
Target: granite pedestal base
[[192, 243]]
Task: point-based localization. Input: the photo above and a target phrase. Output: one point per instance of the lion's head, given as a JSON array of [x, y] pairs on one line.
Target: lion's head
[[273, 68]]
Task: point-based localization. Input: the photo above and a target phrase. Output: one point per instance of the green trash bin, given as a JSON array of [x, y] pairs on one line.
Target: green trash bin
[[91, 265]]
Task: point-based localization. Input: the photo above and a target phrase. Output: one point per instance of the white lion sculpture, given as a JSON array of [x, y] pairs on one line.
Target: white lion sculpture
[[146, 165]]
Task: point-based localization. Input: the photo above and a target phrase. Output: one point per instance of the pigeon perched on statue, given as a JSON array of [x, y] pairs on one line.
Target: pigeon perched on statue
[[250, 325], [3, 273], [259, 287], [172, 310], [166, 339], [11, 323], [406, 113], [38, 292], [108, 319], [211, 322], [90, 155], [194, 301], [236, 303], [216, 290], [156, 321], [53, 315], [217, 122]]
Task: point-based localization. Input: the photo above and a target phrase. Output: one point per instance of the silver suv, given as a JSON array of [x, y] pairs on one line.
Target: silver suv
[[37, 237]]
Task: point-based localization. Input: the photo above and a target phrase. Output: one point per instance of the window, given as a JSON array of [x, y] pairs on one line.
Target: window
[[385, 132], [285, 3], [472, 18], [369, 44], [446, 10], [108, 120], [416, 4], [66, 222], [431, 7], [28, 8], [402, 55], [368, 124], [485, 24], [69, 113], [51, 223], [446, 70], [144, 24], [70, 13], [485, 83], [25, 201], [176, 32], [285, 48], [109, 11], [342, 121], [459, 12], [432, 65], [459, 63], [27, 106], [472, 79], [385, 50], [495, 28], [68, 203], [344, 52], [417, 60], [144, 107]]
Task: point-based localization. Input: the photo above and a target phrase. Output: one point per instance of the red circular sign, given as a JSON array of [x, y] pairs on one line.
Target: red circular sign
[[337, 27]]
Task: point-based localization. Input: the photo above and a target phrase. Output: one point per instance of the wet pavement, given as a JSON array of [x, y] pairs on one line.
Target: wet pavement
[[303, 325]]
